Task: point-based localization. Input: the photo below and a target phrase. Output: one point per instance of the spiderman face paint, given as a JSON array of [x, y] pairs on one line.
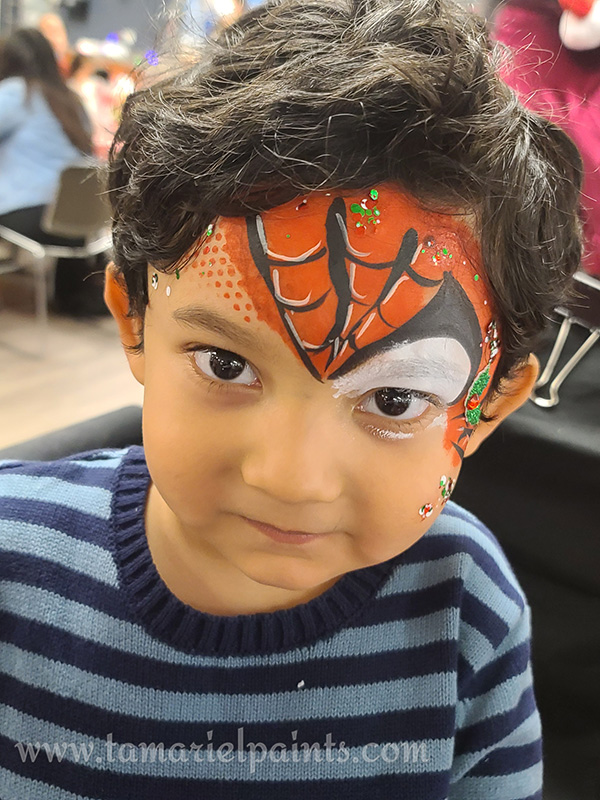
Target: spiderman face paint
[[370, 290], [311, 379]]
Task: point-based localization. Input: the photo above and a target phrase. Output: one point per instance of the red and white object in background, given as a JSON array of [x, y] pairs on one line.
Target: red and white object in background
[[579, 26]]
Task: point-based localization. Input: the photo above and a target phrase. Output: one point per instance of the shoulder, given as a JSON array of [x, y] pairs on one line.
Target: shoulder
[[14, 89], [461, 554], [83, 475], [63, 505]]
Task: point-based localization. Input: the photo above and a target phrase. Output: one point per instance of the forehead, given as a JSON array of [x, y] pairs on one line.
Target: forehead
[[342, 275]]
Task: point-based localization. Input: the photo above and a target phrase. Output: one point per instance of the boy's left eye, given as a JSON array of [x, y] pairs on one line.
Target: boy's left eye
[[223, 365], [397, 403]]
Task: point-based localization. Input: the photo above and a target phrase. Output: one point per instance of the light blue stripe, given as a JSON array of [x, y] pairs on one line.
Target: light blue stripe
[[112, 460], [479, 651], [474, 647], [425, 574], [501, 698], [91, 500], [528, 732], [16, 786], [58, 547], [408, 578], [104, 756], [515, 786], [480, 585], [450, 525], [427, 691], [79, 620]]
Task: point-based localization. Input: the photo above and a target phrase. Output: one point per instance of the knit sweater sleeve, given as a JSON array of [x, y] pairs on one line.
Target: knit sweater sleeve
[[12, 104], [498, 733]]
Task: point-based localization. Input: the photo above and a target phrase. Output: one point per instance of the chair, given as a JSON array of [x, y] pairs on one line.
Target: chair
[[79, 211]]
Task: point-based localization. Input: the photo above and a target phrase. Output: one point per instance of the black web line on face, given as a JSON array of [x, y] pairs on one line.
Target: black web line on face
[[339, 253]]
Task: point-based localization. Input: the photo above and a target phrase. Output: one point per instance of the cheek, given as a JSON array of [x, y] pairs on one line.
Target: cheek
[[409, 477]]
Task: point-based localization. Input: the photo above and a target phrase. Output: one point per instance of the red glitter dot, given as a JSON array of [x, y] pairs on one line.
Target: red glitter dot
[[218, 237], [206, 250], [361, 231], [222, 261], [473, 402], [215, 249], [229, 283], [238, 294], [236, 307], [202, 263], [231, 271], [209, 273], [217, 284], [220, 272], [248, 307], [247, 319], [227, 295]]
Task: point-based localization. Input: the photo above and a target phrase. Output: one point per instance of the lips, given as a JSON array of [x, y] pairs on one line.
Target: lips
[[285, 536]]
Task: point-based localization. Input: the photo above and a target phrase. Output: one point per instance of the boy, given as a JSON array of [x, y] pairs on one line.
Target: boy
[[335, 242]]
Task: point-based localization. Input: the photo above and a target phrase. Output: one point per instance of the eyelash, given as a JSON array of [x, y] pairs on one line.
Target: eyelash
[[388, 428]]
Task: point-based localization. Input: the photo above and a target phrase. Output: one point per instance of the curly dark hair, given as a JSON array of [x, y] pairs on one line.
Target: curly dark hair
[[302, 95]]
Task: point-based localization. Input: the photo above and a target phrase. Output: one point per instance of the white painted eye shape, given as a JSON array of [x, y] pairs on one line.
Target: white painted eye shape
[[396, 403], [223, 365]]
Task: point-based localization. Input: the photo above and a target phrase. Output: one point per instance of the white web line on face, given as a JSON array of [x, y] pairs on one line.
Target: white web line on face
[[286, 300], [351, 249]]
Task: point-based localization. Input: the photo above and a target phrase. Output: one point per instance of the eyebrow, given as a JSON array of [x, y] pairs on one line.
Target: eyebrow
[[199, 317]]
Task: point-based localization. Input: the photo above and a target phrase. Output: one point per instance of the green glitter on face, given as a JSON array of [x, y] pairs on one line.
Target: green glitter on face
[[476, 277], [374, 194], [287, 236], [177, 274], [445, 251], [477, 388], [209, 230]]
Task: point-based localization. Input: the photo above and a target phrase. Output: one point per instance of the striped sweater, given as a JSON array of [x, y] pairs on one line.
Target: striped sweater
[[410, 679]]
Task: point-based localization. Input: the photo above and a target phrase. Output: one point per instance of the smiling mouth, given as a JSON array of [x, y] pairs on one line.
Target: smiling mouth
[[287, 537]]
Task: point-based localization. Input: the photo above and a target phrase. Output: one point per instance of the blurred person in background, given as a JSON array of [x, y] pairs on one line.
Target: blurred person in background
[[43, 129], [554, 66], [53, 28], [91, 78]]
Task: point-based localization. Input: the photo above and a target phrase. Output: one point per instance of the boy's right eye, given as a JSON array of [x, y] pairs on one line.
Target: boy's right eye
[[224, 366]]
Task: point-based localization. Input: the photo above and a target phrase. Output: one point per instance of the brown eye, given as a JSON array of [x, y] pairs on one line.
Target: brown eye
[[398, 403], [225, 366], [393, 402]]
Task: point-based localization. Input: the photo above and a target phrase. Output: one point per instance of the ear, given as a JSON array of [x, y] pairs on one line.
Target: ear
[[130, 328], [514, 392]]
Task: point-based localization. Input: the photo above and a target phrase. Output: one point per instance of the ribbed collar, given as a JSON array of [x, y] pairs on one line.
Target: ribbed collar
[[193, 631]]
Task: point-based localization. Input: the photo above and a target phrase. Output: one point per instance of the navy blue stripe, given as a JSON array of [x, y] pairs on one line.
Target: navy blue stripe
[[82, 780], [56, 578], [483, 619], [99, 659], [439, 597], [489, 731], [512, 663], [412, 725], [77, 524], [508, 760], [434, 547], [64, 470]]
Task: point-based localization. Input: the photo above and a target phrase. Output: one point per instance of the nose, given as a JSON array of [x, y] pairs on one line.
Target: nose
[[293, 458]]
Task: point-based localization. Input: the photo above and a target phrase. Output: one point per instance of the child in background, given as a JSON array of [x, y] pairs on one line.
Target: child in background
[[337, 237]]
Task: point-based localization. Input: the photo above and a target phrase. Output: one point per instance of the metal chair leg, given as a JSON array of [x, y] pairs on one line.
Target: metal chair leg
[[552, 399], [40, 267]]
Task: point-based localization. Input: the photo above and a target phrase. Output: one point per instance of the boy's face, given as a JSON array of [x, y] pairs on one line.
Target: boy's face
[[317, 369]]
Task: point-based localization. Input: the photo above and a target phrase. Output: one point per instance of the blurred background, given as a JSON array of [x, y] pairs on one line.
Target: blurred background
[[60, 362]]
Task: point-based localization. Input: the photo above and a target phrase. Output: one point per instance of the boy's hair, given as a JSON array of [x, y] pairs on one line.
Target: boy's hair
[[302, 95]]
